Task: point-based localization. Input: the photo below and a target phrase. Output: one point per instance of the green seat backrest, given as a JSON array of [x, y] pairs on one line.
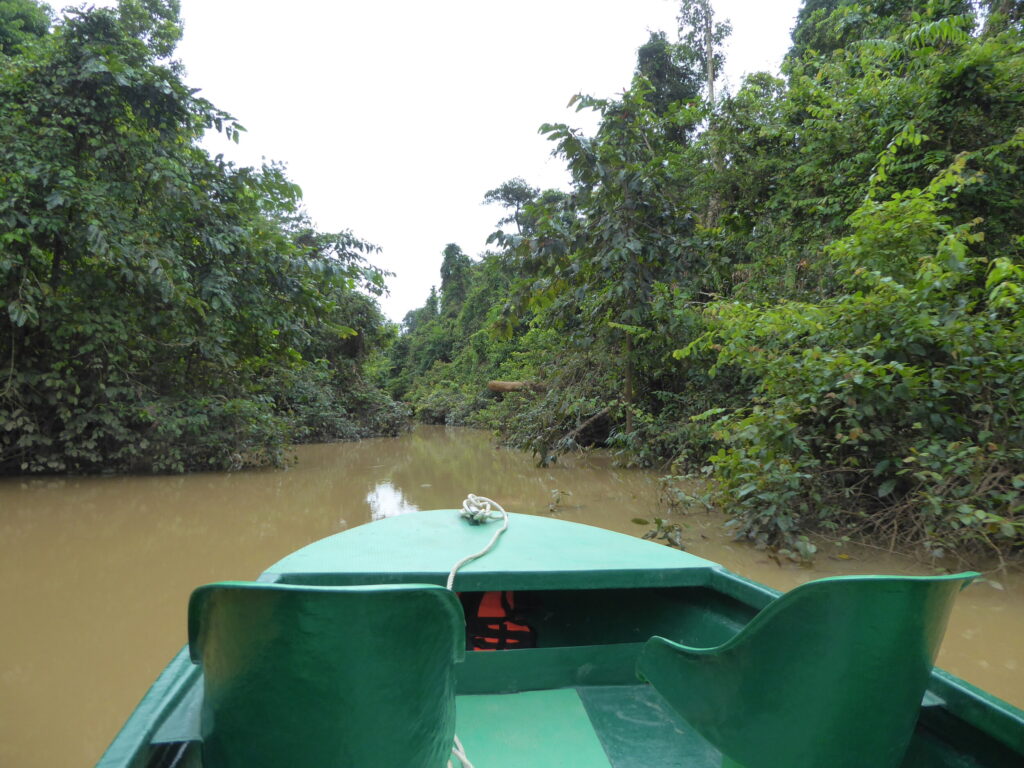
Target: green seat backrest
[[326, 677], [829, 675]]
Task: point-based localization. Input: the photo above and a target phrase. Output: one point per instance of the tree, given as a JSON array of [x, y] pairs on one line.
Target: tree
[[593, 261], [825, 26], [669, 72], [455, 267], [515, 194], [1003, 14], [20, 22], [701, 38]]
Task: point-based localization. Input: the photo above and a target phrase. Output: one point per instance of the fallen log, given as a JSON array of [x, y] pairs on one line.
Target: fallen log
[[514, 386]]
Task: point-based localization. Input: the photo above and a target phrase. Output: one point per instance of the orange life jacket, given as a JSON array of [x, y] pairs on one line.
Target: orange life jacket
[[492, 622]]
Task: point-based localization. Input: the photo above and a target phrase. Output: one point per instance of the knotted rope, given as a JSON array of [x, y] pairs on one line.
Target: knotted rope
[[477, 510]]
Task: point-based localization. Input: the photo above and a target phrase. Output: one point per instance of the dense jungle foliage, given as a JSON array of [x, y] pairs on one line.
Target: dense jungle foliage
[[810, 290], [164, 310]]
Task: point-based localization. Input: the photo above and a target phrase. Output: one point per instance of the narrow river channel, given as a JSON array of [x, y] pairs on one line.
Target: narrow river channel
[[95, 572]]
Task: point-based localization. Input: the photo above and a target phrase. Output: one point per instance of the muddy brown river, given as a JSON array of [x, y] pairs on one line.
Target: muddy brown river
[[95, 572]]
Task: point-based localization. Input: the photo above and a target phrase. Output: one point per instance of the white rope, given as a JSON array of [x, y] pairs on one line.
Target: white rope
[[460, 753], [478, 510]]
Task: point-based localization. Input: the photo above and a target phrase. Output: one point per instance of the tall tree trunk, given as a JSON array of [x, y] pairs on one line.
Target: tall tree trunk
[[709, 55], [628, 388], [714, 203]]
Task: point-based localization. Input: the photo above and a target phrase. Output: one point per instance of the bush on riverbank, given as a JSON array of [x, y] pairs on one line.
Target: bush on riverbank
[[162, 310], [895, 410]]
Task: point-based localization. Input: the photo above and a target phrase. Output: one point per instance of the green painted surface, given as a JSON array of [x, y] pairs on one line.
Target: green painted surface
[[639, 729], [183, 722], [977, 710], [535, 553], [830, 674], [130, 747], [310, 677], [537, 668], [539, 729], [942, 739]]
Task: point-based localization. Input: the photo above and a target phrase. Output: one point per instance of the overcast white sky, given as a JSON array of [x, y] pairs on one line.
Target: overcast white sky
[[396, 116]]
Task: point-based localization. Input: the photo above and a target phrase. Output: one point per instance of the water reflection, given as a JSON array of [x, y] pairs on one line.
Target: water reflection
[[387, 501]]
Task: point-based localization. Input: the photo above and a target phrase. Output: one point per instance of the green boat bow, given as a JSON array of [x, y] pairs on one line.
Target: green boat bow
[[349, 650]]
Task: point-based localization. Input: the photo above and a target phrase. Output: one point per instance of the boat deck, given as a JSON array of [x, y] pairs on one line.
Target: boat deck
[[631, 726], [535, 553], [616, 726], [602, 726], [607, 726]]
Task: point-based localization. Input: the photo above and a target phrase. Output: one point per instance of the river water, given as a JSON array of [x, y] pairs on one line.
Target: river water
[[95, 572]]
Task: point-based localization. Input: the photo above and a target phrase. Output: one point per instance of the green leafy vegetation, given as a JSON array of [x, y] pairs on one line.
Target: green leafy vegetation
[[161, 309], [809, 290]]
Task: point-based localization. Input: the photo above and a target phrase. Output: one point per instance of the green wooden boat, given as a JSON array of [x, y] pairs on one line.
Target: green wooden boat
[[565, 646]]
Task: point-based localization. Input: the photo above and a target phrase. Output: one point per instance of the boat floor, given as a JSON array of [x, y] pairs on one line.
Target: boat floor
[[612, 726], [621, 726]]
